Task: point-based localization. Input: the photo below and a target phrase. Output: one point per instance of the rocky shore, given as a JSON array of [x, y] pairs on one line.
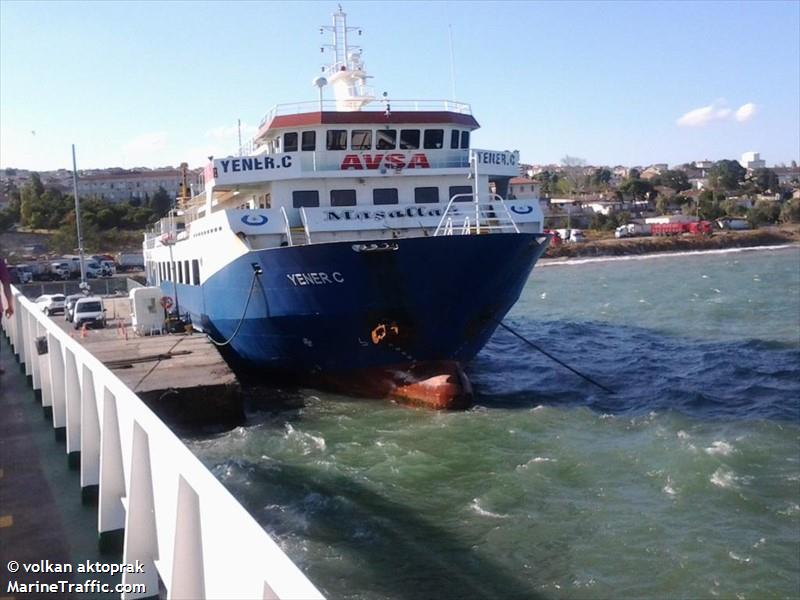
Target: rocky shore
[[686, 243]]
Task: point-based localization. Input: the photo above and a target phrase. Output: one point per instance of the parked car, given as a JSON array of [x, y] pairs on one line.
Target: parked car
[[93, 270], [19, 275], [69, 306], [51, 304], [89, 311], [108, 267]]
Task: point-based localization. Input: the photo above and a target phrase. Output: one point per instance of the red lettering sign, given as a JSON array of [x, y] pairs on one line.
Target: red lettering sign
[[394, 160]]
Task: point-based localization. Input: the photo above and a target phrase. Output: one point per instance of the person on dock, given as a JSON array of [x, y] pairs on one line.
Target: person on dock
[[5, 281]]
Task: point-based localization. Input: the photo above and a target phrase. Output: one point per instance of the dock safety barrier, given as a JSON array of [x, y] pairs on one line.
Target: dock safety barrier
[[153, 494]]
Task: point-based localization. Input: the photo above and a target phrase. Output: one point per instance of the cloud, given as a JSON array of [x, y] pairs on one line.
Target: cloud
[[746, 112], [718, 111], [146, 142]]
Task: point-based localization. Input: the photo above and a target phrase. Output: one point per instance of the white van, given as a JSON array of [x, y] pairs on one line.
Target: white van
[[89, 311]]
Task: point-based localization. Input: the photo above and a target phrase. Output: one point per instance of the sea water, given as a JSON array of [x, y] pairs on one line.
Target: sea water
[[685, 483]]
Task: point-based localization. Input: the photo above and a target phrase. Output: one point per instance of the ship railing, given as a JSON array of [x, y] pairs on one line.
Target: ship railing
[[476, 218], [170, 512], [313, 106]]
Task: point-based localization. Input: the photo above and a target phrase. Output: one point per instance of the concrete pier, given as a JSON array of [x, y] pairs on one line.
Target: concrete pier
[[181, 377]]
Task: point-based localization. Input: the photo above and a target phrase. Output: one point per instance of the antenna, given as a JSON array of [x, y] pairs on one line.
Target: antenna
[[239, 125], [452, 64]]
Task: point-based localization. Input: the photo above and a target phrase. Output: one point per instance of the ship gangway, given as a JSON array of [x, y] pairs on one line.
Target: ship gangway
[[155, 499]]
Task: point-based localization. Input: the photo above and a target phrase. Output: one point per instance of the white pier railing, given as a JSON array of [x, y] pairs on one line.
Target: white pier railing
[[174, 516]]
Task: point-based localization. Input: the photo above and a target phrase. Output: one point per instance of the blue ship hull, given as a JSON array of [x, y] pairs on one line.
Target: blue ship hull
[[341, 307]]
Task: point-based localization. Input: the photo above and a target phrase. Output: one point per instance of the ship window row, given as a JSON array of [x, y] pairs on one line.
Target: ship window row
[[380, 196], [379, 139], [186, 272], [206, 231]]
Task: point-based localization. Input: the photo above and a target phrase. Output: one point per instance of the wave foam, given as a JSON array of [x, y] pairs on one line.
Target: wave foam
[[723, 478], [719, 448], [475, 505]]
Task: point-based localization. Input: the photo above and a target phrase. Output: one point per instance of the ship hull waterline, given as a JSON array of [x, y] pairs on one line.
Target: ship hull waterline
[[394, 319]]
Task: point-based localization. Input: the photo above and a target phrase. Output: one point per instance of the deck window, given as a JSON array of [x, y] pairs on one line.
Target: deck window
[[409, 139], [460, 189], [186, 279], [455, 137], [426, 195], [195, 272], [361, 139], [434, 139], [465, 139], [309, 198], [384, 196], [290, 141], [343, 197], [386, 139], [337, 139], [309, 141]]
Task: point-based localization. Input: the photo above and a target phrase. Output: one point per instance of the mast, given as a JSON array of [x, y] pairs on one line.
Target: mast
[[346, 74]]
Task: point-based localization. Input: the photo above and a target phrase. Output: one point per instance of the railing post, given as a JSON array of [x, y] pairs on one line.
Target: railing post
[[90, 439], [110, 512], [44, 370], [188, 573], [73, 410], [28, 343], [141, 538], [55, 358], [60, 394]]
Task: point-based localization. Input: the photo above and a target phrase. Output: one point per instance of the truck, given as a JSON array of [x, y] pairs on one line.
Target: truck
[[133, 261], [693, 228], [632, 230]]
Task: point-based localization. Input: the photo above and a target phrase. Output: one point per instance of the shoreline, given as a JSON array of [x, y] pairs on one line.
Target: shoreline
[[582, 260], [606, 249]]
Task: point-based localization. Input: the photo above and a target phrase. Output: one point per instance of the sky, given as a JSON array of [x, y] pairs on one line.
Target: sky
[[158, 83]]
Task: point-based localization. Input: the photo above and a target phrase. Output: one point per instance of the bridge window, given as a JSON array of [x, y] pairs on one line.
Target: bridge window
[[455, 136], [290, 141], [361, 139], [465, 139], [195, 272], [434, 139], [386, 139], [309, 141], [343, 197], [426, 195], [461, 189], [384, 196], [337, 139], [309, 198], [409, 139]]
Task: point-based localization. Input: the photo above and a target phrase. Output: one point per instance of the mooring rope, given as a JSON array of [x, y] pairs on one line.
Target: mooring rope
[[256, 273], [551, 357]]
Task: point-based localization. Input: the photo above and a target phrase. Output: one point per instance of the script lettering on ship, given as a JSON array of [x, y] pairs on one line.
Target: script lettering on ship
[[319, 278]]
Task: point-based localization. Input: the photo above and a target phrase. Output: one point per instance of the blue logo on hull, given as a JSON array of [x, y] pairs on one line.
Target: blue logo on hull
[[255, 221], [522, 210]]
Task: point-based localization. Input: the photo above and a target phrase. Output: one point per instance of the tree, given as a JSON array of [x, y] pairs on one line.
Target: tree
[[573, 169], [764, 212], [726, 175], [677, 180], [638, 188], [790, 213], [161, 203], [765, 180], [600, 178], [634, 174]]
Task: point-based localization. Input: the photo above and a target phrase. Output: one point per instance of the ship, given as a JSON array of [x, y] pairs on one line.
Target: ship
[[357, 243]]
